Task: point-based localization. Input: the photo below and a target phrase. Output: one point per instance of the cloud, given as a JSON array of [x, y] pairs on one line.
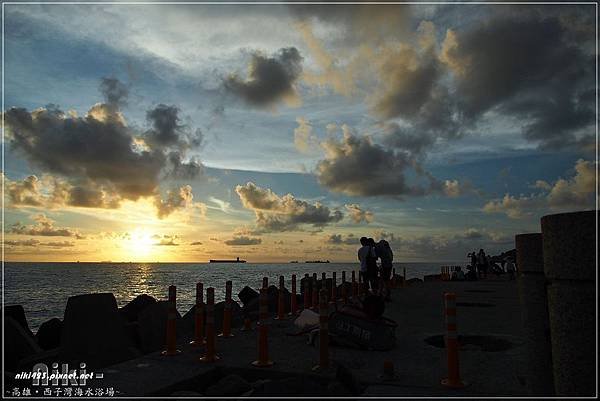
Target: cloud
[[338, 239], [167, 131], [98, 159], [196, 243], [44, 227], [36, 243], [575, 193], [304, 138], [25, 192], [166, 240], [27, 242], [270, 79], [357, 166], [527, 67], [284, 213], [177, 199], [359, 215], [114, 91], [242, 241]]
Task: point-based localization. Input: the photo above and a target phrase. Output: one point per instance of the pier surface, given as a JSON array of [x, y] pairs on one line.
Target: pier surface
[[492, 356]]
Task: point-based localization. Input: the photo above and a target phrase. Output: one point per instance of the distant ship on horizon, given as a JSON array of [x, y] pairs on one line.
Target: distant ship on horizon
[[236, 260]]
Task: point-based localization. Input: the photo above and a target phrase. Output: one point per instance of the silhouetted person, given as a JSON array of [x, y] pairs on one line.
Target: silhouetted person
[[481, 262], [510, 269], [384, 251], [372, 265], [363, 254], [458, 274]]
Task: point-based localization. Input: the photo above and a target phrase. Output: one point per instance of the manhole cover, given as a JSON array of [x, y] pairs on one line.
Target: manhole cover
[[475, 304], [485, 343]]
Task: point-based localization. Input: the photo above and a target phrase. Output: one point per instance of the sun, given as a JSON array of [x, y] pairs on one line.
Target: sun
[[141, 242]]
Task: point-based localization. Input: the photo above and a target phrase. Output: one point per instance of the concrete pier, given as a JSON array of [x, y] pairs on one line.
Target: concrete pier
[[534, 313], [570, 267]]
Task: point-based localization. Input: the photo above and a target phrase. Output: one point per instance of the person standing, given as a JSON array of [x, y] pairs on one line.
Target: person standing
[[481, 261], [384, 251], [363, 255]]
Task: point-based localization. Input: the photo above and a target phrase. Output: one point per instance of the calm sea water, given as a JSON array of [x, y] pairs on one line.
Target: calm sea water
[[43, 288]]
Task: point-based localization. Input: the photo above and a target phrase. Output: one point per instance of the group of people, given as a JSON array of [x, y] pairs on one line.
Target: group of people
[[481, 264], [376, 277]]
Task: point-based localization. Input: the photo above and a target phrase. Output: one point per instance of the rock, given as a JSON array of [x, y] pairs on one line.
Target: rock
[[229, 386], [94, 331], [292, 386], [48, 335], [431, 277], [17, 313], [188, 322], [132, 310], [247, 294], [152, 327], [348, 379], [307, 318], [250, 310], [19, 343], [414, 281]]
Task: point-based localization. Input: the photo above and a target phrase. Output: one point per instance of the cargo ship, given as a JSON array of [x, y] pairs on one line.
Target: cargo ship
[[236, 260]]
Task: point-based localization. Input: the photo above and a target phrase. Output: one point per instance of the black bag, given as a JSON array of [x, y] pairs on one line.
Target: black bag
[[353, 326]]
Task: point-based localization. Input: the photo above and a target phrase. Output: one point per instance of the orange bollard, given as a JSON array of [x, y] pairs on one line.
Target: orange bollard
[[199, 327], [293, 300], [315, 294], [172, 324], [333, 288], [211, 354], [307, 299], [453, 379], [344, 290], [280, 301], [227, 312], [263, 346], [323, 331], [265, 283]]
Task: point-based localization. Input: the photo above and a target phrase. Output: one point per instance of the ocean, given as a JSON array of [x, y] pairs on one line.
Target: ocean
[[43, 288]]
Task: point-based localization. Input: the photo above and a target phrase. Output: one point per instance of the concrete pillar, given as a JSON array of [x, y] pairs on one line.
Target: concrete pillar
[[534, 313], [570, 266]]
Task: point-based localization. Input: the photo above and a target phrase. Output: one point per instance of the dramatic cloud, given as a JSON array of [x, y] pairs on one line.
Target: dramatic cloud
[[177, 199], [166, 240], [36, 243], [97, 159], [338, 239], [527, 67], [270, 79], [575, 193], [359, 215], [242, 240], [284, 213], [44, 227]]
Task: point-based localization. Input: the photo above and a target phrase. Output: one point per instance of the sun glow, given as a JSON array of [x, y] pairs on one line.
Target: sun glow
[[140, 243]]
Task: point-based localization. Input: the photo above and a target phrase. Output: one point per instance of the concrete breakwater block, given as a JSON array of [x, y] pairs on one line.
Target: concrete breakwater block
[[414, 281], [247, 294], [17, 313], [132, 310], [19, 344], [188, 322], [94, 331], [152, 327], [48, 335], [569, 247]]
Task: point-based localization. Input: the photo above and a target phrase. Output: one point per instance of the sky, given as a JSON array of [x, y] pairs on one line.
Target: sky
[[180, 133]]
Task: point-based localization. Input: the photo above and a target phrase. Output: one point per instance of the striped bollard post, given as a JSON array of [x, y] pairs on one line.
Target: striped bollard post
[[293, 300], [307, 299], [263, 360], [333, 288], [227, 311], [199, 317], [280, 301], [211, 353], [315, 294], [344, 290], [453, 379], [171, 337], [323, 331]]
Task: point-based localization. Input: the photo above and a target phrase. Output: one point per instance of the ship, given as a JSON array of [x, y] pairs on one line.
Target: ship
[[317, 261], [236, 260]]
